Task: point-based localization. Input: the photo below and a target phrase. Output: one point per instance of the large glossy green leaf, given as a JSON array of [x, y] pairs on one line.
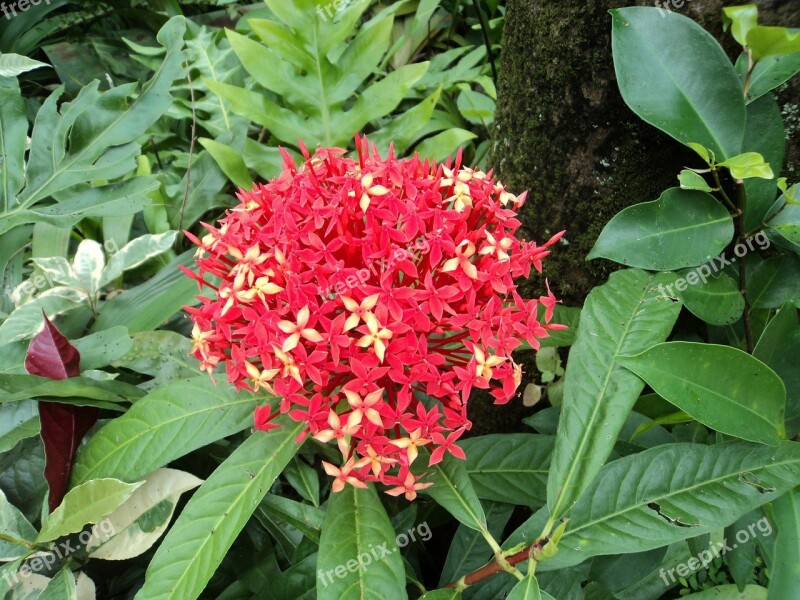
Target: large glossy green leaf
[[358, 557], [86, 504], [785, 568], [779, 347], [628, 314], [509, 467], [716, 300], [720, 386], [655, 58], [164, 425], [769, 73], [765, 134], [774, 282], [206, 529], [452, 489], [667, 494], [683, 228]]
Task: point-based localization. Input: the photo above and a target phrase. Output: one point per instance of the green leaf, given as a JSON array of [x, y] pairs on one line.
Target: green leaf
[[148, 305], [206, 529], [683, 228], [163, 355], [785, 218], [137, 252], [140, 521], [655, 58], [442, 595], [230, 161], [626, 315], [766, 41], [690, 180], [778, 348], [527, 589], [768, 74], [785, 568], [353, 560], [716, 299], [667, 494], [445, 144], [18, 421], [12, 65], [509, 468], [452, 490], [740, 19], [164, 425], [13, 134], [85, 504], [775, 281], [14, 525], [26, 320], [731, 592], [722, 387], [305, 518], [24, 387], [101, 349], [61, 587], [748, 165]]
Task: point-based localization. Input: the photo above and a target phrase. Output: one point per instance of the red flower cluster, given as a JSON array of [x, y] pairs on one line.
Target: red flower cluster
[[371, 296]]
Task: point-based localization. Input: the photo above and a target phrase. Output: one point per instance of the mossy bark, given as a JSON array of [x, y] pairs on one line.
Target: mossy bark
[[564, 133]]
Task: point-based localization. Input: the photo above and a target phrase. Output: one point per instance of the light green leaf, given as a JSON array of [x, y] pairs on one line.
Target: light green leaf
[[785, 567], [13, 134], [740, 19], [164, 425], [720, 386], [628, 314], [230, 161], [633, 507], [88, 265], [766, 41], [206, 529], [442, 595], [683, 228], [137, 252], [357, 532], [103, 348], [661, 80], [14, 525], [715, 299], [26, 320], [141, 520], [12, 65], [85, 504], [690, 180], [445, 144], [24, 387], [163, 355], [748, 165], [510, 467], [769, 73]]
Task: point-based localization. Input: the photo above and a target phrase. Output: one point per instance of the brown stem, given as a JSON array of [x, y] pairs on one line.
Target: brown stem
[[740, 236], [494, 567]]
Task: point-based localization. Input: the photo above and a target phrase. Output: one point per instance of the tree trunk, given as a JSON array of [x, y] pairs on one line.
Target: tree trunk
[[564, 133]]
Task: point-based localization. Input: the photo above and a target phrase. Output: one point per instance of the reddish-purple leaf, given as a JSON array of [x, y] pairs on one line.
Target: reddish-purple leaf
[[51, 355], [63, 426]]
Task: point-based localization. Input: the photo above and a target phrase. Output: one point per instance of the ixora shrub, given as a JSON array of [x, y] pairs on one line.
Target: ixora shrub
[[352, 304], [371, 296]]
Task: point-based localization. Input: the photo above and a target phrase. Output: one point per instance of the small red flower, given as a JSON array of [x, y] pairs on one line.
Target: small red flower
[[371, 295]]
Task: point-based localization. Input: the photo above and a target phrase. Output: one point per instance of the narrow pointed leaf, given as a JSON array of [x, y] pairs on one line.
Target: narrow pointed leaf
[[206, 529], [628, 314]]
